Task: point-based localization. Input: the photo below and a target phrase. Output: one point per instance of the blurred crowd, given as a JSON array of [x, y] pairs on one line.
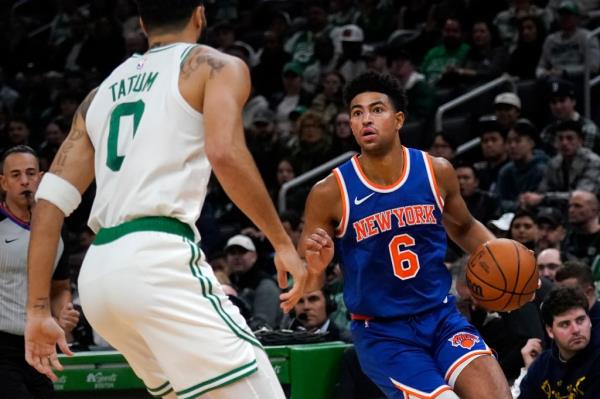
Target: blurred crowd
[[533, 177]]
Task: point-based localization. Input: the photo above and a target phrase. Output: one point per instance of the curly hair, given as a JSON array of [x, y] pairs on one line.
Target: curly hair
[[377, 82], [561, 300]]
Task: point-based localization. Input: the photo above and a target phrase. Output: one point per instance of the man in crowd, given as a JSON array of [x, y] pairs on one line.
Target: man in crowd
[[583, 237]]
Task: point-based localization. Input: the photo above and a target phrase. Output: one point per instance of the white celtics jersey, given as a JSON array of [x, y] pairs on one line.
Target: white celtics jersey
[[149, 143]]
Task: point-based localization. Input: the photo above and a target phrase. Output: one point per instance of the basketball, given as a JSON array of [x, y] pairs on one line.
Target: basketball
[[502, 275]]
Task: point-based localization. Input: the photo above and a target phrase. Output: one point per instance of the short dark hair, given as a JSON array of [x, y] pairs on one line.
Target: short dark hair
[[161, 14], [524, 127], [569, 124], [577, 270], [560, 300], [467, 165], [376, 82], [18, 149]]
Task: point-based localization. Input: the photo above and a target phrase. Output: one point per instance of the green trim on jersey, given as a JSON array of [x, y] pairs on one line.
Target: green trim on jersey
[[161, 391], [219, 381], [186, 52], [160, 224], [161, 48], [207, 292]]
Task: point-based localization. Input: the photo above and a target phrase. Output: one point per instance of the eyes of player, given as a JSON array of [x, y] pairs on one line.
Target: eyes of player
[[378, 109]]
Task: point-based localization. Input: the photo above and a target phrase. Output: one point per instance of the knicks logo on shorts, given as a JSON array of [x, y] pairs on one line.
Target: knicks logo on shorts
[[464, 340]]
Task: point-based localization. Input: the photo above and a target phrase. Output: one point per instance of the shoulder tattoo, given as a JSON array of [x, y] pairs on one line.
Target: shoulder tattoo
[[196, 59]]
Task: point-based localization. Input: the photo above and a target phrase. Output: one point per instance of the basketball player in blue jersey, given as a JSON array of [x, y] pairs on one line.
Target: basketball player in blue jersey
[[389, 209]]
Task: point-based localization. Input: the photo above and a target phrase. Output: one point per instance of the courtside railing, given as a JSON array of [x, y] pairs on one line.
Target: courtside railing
[[588, 83], [303, 178]]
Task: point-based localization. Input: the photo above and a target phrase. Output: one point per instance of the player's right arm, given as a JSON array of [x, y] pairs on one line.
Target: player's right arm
[[73, 165], [226, 89], [322, 212]]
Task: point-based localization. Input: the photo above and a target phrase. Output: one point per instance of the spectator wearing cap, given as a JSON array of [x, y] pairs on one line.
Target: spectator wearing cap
[[419, 93], [263, 143], [453, 51], [583, 236], [551, 226], [292, 96], [564, 51], [506, 21], [482, 205], [526, 167], [573, 168], [562, 105], [507, 108], [493, 149], [351, 63], [254, 286]]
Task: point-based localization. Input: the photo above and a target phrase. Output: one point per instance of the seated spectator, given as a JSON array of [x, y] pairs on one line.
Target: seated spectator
[[523, 61], [329, 102], [351, 62], [562, 105], [486, 59], [325, 60], [571, 366], [493, 150], [482, 205], [523, 229], [548, 262], [574, 168], [55, 133], [526, 167], [263, 143], [578, 275], [343, 139], [291, 97], [583, 236], [419, 93], [314, 142], [254, 286], [301, 44], [442, 145], [506, 20], [551, 228], [453, 51], [311, 313], [563, 53], [507, 108]]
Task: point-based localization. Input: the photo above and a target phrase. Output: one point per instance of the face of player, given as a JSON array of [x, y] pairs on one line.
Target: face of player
[[562, 107], [311, 310], [375, 122], [20, 179], [570, 331], [467, 181], [568, 143], [524, 230], [493, 145]]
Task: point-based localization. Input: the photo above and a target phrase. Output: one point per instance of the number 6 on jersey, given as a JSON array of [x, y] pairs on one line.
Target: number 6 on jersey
[[405, 262]]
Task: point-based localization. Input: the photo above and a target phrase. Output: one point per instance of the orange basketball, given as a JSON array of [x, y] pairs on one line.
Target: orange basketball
[[502, 275]]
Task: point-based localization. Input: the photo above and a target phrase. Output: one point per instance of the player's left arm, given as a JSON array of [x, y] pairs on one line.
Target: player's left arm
[[461, 226], [72, 171]]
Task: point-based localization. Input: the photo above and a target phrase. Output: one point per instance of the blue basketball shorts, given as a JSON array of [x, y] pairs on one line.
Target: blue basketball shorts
[[417, 356]]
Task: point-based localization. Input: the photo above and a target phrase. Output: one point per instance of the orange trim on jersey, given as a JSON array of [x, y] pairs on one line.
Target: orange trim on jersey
[[391, 186], [434, 178], [463, 359], [339, 230], [409, 392]]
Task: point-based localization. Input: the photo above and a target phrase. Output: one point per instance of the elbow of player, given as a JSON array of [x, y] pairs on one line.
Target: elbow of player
[[220, 155]]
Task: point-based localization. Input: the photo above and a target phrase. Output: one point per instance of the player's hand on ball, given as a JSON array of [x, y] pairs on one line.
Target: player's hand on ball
[[287, 261], [319, 251]]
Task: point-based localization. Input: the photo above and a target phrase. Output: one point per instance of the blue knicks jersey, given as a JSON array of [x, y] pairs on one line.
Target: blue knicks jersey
[[391, 242]]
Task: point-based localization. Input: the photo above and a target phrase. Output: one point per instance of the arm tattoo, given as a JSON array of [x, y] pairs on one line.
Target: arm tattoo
[[75, 135], [196, 59], [41, 303]]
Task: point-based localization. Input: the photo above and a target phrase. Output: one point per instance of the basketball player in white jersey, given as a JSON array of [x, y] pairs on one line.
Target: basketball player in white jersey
[[149, 135]]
